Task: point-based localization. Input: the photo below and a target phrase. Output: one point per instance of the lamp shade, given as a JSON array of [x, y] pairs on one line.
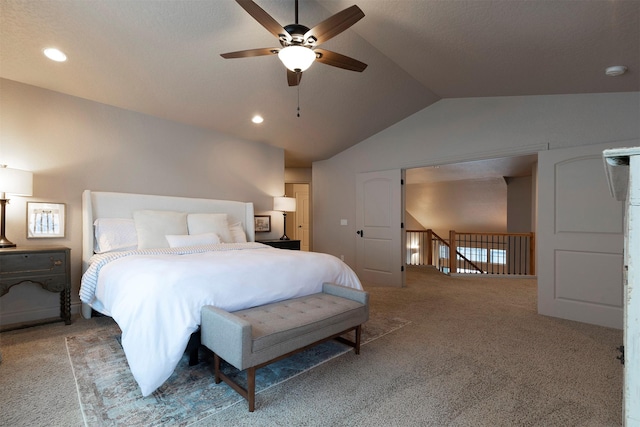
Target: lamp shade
[[284, 204], [16, 181], [297, 58]]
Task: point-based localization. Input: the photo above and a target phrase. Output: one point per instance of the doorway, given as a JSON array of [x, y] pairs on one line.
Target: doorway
[[299, 228], [482, 195]]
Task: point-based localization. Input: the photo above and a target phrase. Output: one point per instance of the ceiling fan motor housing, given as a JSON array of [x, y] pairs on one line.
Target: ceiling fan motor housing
[[297, 32]]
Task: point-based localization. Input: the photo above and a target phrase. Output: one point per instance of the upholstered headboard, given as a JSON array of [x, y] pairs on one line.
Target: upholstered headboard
[[98, 204]]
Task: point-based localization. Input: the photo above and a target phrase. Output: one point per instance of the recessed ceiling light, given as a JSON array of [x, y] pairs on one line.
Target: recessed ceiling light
[[616, 70], [55, 54], [257, 119]]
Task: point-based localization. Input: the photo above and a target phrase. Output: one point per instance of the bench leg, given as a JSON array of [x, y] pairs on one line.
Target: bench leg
[[216, 368], [251, 388], [249, 393], [358, 338], [355, 343]]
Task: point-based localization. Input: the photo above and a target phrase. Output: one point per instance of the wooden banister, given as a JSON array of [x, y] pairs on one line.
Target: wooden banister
[[511, 259]]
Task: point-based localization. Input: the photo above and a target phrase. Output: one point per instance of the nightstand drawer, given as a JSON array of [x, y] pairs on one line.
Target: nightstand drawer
[[33, 264]]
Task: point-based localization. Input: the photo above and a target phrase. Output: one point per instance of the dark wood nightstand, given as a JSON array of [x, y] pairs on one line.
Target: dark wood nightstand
[[282, 244], [48, 266]]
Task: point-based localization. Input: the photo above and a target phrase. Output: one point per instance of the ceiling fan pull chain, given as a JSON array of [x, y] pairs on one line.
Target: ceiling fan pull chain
[[298, 99]]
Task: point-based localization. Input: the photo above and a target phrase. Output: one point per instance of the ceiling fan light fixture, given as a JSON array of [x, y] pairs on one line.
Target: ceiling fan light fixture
[[297, 58]]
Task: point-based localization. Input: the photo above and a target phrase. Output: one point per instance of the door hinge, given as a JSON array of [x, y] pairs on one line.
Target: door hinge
[[621, 357], [402, 225], [402, 268], [401, 181]]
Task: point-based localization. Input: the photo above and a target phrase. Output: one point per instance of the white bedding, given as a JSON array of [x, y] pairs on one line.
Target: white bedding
[[155, 296]]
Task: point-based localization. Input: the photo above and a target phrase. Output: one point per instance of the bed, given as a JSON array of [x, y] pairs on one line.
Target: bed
[[155, 292]]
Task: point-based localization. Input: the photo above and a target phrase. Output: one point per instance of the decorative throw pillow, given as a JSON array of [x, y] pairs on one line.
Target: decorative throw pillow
[[114, 234], [183, 240], [237, 233], [200, 223], [153, 226]]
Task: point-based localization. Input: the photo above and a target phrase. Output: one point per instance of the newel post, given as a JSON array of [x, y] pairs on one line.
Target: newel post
[[429, 245], [453, 249], [532, 254]]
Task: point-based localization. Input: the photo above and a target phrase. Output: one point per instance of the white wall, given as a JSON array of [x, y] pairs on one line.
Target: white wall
[[297, 175], [72, 144], [478, 205], [519, 204], [456, 130]]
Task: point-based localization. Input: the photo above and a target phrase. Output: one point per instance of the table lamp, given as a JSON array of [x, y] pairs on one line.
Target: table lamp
[[284, 204], [16, 182]]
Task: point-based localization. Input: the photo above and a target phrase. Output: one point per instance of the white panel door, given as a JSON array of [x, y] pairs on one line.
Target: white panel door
[[378, 223], [580, 238]]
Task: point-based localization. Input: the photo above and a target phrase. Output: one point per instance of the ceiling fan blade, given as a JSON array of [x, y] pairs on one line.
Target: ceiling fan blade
[[337, 60], [251, 52], [334, 25], [293, 78], [264, 19]]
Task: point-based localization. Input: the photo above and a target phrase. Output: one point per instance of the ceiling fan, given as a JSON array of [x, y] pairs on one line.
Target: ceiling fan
[[300, 44]]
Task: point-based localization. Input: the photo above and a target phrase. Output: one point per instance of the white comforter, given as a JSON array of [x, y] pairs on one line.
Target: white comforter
[[156, 296]]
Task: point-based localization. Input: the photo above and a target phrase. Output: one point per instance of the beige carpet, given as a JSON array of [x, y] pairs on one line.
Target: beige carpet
[[475, 354]]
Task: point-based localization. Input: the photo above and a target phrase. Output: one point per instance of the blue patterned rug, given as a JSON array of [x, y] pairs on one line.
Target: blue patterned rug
[[110, 396]]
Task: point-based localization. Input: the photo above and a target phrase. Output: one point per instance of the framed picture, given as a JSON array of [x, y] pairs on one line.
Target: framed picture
[[262, 223], [45, 220]]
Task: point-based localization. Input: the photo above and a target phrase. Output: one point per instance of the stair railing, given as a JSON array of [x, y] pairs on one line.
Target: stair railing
[[474, 253]]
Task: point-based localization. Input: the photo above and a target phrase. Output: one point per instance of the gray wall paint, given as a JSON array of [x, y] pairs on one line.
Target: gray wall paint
[[478, 205], [72, 144], [455, 130], [519, 204]]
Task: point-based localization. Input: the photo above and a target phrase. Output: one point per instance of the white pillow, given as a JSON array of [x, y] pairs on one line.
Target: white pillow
[[114, 234], [182, 240], [153, 226], [237, 233], [200, 223]]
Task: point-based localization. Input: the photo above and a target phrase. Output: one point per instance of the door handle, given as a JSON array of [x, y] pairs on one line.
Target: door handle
[[360, 233]]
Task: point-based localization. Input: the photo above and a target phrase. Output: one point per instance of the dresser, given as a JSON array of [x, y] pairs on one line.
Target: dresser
[[47, 266], [282, 244]]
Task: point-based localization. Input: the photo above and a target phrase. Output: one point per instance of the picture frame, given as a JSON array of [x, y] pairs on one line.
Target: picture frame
[[45, 220], [262, 223]]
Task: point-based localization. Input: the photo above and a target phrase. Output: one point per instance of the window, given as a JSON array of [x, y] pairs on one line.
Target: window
[[473, 254], [498, 256], [444, 251]]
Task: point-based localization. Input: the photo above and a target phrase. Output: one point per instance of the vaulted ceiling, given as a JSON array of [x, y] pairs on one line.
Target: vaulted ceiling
[[162, 58]]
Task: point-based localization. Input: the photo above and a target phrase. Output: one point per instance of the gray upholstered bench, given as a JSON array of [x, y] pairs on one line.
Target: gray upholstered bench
[[255, 337]]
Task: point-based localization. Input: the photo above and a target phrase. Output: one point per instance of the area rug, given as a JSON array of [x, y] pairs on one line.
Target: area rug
[[109, 395]]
